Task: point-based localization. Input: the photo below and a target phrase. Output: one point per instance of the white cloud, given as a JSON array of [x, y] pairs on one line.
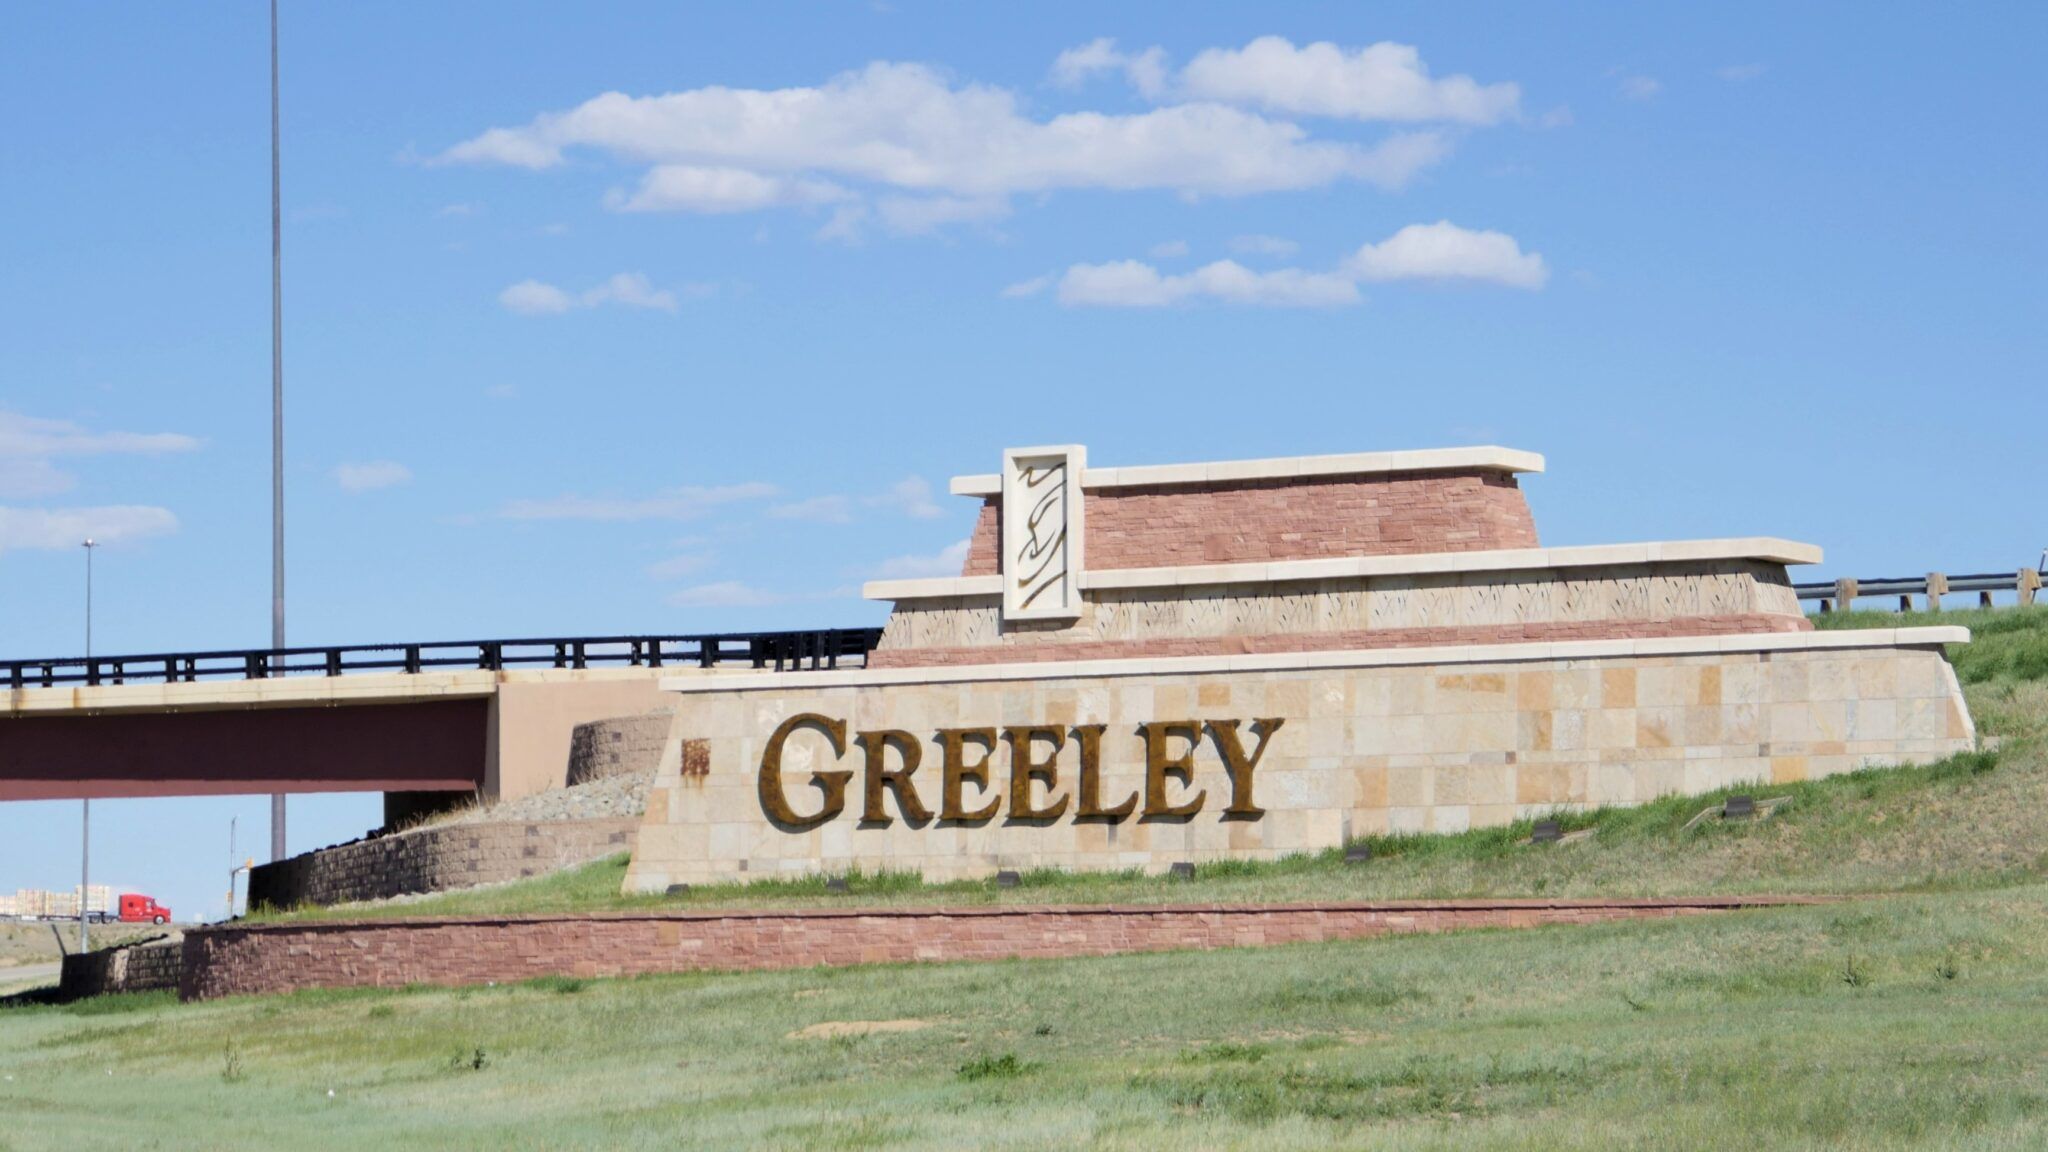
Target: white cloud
[[54, 528], [1384, 81], [533, 298], [1558, 117], [906, 129], [1641, 87], [1739, 73], [1263, 246], [626, 289], [1131, 284], [457, 210], [1031, 287], [1169, 250], [922, 215], [724, 594], [911, 496], [689, 188], [1146, 71], [1440, 251], [371, 475], [30, 447], [947, 561], [674, 504], [1444, 251], [675, 566], [816, 510]]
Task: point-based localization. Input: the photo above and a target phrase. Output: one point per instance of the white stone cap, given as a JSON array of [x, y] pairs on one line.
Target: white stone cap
[[1768, 549], [1284, 468], [1846, 639]]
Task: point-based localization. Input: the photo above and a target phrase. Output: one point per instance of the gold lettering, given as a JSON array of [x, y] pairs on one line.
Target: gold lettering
[[957, 771], [1238, 764], [1089, 736], [1024, 770], [878, 778], [1158, 766], [832, 783]]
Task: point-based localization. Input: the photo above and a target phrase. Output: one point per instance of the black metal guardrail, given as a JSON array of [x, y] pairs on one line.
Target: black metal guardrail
[[782, 651], [1933, 586]]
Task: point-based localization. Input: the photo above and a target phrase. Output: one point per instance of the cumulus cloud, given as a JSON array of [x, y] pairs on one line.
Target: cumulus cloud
[[1444, 251], [1384, 81], [30, 448], [371, 475], [1146, 71], [1132, 284], [626, 289], [948, 561], [687, 503], [1440, 252], [53, 528], [956, 152]]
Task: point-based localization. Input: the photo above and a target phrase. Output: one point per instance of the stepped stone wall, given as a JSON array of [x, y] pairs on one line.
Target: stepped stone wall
[[435, 859], [132, 968], [622, 746]]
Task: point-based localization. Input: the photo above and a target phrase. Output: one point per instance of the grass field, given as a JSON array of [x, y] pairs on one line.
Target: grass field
[[1910, 1017]]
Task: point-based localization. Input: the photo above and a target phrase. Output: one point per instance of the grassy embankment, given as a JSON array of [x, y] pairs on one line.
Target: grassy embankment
[[1897, 1021], [1970, 821]]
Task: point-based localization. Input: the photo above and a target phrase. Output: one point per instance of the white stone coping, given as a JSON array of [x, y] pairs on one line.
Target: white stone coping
[[1851, 638], [1769, 549], [1283, 467]]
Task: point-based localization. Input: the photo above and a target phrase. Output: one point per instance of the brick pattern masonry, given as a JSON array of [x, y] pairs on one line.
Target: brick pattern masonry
[[1290, 519], [136, 968], [434, 859], [237, 959], [1732, 624]]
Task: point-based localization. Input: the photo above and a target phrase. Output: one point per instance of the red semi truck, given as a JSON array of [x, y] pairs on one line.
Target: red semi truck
[[137, 909]]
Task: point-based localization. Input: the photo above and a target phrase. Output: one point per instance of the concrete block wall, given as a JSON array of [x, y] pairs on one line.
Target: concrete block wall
[[133, 968], [436, 859], [622, 746]]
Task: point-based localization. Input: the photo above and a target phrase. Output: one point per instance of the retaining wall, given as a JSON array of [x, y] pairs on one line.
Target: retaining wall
[[620, 746], [238, 959], [134, 968], [436, 859]]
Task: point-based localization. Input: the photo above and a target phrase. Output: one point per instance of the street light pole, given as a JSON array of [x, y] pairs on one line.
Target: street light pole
[[276, 410], [85, 812]]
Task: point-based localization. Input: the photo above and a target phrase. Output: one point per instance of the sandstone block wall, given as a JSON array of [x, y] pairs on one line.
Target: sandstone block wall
[[434, 859], [624, 745], [1296, 518], [1364, 748], [252, 959]]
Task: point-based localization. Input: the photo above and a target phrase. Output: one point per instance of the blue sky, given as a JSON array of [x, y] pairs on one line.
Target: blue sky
[[702, 354]]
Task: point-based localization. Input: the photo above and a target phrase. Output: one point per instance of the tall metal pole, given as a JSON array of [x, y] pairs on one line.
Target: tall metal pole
[[276, 411], [85, 811]]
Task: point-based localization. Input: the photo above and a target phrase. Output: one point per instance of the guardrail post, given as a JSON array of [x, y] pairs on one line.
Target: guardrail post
[[1937, 587], [334, 661], [2028, 583], [577, 655], [412, 658], [1845, 594], [654, 653]]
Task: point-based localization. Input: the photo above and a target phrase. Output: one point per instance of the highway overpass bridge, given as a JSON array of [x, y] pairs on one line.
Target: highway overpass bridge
[[414, 721]]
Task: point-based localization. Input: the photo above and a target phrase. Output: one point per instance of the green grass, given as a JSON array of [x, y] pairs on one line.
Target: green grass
[[1894, 1023], [1909, 1018]]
